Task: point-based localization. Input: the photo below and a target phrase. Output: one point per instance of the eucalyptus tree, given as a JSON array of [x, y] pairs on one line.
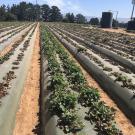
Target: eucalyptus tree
[[80, 18], [45, 10]]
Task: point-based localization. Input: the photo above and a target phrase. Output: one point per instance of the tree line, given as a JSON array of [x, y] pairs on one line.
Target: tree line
[[31, 12]]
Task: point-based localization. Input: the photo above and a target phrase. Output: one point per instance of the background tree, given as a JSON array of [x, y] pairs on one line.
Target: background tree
[[94, 21], [123, 25], [22, 11], [55, 14], [37, 12], [115, 23], [70, 18], [10, 17], [14, 10], [30, 12], [45, 9], [2, 12], [26, 11], [80, 18]]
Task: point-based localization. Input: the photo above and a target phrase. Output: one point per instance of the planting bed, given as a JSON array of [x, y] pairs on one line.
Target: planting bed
[[86, 85], [69, 102], [10, 48], [128, 62], [112, 58], [10, 29], [27, 117], [109, 66], [14, 69], [7, 34], [115, 42], [2, 30], [111, 75], [5, 26], [12, 36]]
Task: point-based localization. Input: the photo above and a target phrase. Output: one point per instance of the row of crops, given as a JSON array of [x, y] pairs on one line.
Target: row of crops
[[116, 70], [121, 44], [16, 47], [68, 103], [74, 105], [111, 66], [4, 26]]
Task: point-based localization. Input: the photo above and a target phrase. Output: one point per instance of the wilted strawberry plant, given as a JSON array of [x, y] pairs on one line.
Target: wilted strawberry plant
[[71, 122]]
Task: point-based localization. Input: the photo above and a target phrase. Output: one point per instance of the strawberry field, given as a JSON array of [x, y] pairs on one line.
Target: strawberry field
[[86, 80], [75, 106]]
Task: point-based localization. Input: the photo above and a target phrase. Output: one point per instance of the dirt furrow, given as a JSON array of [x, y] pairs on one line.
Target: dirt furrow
[[27, 116]]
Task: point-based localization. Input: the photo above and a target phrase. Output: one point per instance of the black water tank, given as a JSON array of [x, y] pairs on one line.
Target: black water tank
[[107, 19], [131, 25]]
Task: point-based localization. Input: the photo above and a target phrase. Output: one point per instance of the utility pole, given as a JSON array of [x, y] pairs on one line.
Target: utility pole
[[131, 23], [36, 11], [133, 2]]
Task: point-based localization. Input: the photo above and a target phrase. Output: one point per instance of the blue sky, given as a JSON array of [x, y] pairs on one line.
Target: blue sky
[[86, 7]]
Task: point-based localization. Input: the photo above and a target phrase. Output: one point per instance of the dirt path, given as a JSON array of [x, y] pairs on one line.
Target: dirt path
[[122, 121], [27, 115], [120, 30]]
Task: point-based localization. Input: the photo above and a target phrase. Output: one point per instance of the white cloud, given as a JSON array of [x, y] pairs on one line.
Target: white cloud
[[68, 6], [64, 5], [59, 3]]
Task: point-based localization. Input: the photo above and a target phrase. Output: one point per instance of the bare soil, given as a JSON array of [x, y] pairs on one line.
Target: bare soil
[[27, 116], [120, 30]]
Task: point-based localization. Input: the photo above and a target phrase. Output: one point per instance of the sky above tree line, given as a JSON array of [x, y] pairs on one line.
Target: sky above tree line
[[86, 7]]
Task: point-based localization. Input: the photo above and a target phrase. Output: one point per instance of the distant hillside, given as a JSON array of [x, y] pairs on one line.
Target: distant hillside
[[125, 20]]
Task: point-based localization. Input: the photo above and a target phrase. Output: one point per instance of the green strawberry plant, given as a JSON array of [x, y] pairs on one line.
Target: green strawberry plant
[[88, 96]]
